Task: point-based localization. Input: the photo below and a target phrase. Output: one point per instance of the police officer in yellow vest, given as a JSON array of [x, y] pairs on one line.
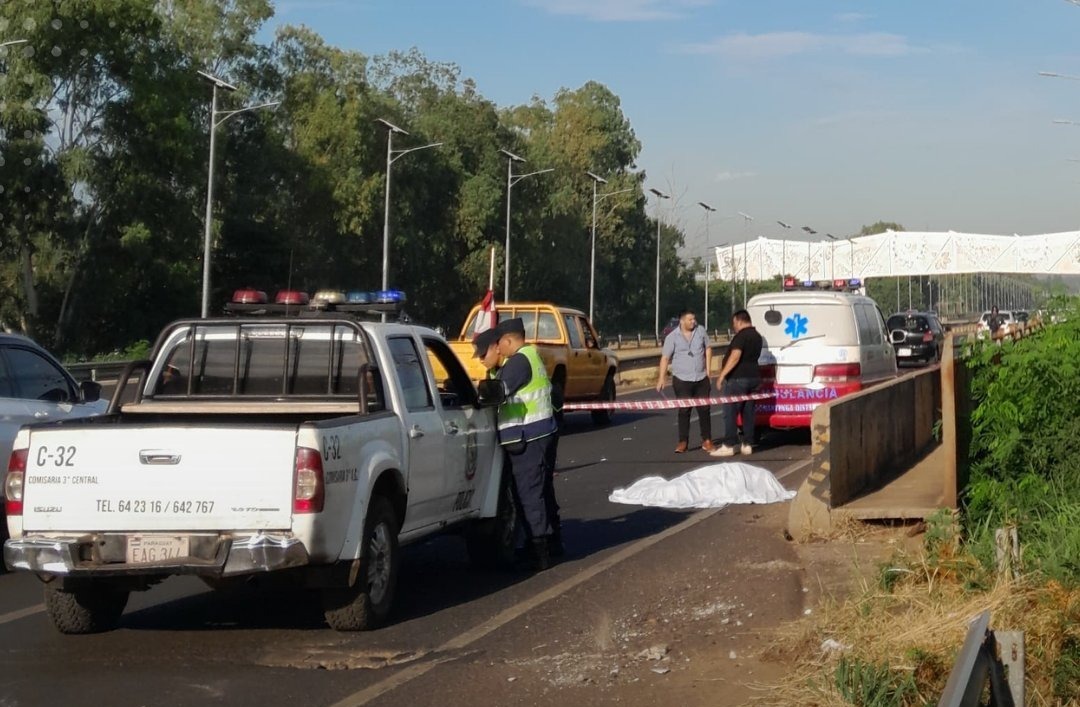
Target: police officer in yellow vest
[[526, 430]]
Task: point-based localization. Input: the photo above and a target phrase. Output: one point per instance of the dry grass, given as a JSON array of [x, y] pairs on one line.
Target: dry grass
[[914, 618]]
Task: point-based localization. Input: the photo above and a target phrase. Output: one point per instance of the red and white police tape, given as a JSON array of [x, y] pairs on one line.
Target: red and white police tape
[[667, 403]]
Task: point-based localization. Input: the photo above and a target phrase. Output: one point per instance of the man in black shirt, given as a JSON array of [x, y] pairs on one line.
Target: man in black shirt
[[739, 375]]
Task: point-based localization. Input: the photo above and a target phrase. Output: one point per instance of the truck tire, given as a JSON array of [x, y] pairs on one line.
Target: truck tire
[[84, 608], [607, 395], [367, 603], [490, 541]]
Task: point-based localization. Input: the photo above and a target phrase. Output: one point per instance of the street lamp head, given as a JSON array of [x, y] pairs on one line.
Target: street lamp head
[[784, 224], [391, 127], [830, 236], [746, 216], [705, 206], [809, 230], [596, 177], [659, 194], [511, 155], [217, 82]]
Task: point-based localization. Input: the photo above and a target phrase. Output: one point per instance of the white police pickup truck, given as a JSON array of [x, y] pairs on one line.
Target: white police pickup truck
[[309, 443]]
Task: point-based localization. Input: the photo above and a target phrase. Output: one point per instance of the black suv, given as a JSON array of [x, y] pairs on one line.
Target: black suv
[[916, 336]]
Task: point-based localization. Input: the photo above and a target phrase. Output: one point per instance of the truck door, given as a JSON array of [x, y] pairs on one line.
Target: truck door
[[424, 434], [577, 384], [596, 363], [470, 431]]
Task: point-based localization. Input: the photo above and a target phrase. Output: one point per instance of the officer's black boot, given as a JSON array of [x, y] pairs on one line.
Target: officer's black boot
[[540, 555]]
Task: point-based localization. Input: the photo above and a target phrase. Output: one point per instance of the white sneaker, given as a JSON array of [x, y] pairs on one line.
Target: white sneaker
[[746, 449], [723, 451]]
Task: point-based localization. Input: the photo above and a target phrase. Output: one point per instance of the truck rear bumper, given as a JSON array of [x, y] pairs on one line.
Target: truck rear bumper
[[104, 554]]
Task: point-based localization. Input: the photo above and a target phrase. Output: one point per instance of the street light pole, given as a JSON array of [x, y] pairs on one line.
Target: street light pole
[[832, 256], [708, 210], [783, 255], [511, 180], [656, 322], [597, 180], [747, 218], [209, 220], [216, 83], [809, 246], [392, 156]]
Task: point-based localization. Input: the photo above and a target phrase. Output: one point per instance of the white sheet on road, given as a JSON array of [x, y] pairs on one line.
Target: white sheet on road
[[711, 486]]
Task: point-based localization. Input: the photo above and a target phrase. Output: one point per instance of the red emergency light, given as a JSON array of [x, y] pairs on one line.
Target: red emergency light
[[291, 297], [249, 296]]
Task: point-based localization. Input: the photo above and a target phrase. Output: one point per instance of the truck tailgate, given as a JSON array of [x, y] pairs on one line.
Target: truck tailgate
[[152, 477]]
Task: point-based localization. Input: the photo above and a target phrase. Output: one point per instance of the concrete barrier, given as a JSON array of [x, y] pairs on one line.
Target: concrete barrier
[[861, 440]]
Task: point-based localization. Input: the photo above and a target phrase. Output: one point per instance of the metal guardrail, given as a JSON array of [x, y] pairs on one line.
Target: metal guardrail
[[638, 340], [976, 664], [96, 371]]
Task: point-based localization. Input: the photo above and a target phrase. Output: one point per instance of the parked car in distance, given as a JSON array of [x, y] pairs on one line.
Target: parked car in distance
[[1007, 320], [672, 325], [916, 336], [35, 387]]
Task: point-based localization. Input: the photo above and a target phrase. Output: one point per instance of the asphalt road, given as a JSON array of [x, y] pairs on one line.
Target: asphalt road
[[181, 644]]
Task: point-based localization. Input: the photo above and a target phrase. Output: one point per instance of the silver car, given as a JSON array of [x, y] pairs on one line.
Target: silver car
[[34, 387]]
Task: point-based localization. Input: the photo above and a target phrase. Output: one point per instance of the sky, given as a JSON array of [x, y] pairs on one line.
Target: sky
[[832, 114]]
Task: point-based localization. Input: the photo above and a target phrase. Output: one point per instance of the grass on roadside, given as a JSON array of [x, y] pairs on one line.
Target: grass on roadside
[[894, 642]]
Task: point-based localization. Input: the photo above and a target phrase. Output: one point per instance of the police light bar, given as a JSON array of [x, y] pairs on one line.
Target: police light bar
[[789, 283], [808, 284], [252, 302], [839, 284], [854, 282]]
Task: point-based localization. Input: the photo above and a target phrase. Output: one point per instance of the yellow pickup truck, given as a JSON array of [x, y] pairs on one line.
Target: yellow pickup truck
[[568, 344]]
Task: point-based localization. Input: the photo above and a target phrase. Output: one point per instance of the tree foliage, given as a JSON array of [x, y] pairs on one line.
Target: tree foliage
[[104, 133]]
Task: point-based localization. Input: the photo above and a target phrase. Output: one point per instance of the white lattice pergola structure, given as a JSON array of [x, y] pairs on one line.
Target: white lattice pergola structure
[[900, 253]]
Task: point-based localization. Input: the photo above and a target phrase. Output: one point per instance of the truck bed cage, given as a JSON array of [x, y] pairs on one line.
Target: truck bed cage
[[367, 393]]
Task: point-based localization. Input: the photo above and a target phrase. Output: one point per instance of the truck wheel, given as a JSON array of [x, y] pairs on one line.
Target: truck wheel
[[367, 603], [490, 541], [84, 608], [607, 395]]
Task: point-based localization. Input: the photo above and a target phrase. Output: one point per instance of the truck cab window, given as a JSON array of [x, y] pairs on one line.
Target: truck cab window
[[547, 327], [410, 370], [572, 331], [590, 340], [455, 388]]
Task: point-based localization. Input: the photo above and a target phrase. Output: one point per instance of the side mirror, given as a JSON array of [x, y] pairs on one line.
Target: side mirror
[[89, 391], [490, 393]]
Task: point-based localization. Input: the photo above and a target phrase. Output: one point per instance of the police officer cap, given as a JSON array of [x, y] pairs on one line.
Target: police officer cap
[[483, 341], [511, 326]]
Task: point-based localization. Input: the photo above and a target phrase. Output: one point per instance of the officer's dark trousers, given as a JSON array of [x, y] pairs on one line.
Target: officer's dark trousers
[[529, 468]]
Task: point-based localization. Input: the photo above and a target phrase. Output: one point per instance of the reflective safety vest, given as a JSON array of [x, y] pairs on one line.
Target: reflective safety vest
[[527, 414]]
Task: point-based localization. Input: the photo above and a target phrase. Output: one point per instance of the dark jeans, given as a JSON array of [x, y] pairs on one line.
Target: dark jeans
[[693, 389], [529, 468], [739, 386]]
